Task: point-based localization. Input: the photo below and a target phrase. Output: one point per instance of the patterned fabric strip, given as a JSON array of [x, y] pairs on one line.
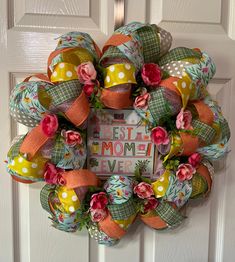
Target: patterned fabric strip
[[58, 150], [122, 211], [204, 132], [179, 53], [44, 197], [15, 148], [170, 215], [150, 42], [158, 105], [64, 92], [225, 128], [199, 186], [113, 52]]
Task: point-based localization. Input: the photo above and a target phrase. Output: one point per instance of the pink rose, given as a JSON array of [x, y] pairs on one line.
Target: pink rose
[[143, 190], [52, 175], [99, 201], [49, 125], [194, 159], [185, 172], [151, 74], [142, 101], [86, 72], [98, 215], [150, 204], [184, 119], [159, 136], [72, 138], [89, 89]]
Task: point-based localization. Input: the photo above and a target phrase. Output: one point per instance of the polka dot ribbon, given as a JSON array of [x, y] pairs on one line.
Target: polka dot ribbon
[[160, 185], [68, 199], [119, 74], [64, 72], [23, 167]]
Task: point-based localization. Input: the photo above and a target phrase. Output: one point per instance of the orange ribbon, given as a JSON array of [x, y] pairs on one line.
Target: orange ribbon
[[204, 172], [116, 100], [79, 110], [169, 84], [33, 142], [154, 221], [204, 112], [189, 143], [116, 40], [39, 76], [80, 178], [110, 228]]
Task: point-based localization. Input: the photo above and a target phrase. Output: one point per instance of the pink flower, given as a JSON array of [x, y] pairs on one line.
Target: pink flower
[[151, 74], [49, 125], [99, 201], [72, 138], [150, 204], [89, 89], [143, 190], [185, 172], [52, 175], [159, 136], [86, 72], [194, 159], [142, 101], [98, 215], [184, 119]]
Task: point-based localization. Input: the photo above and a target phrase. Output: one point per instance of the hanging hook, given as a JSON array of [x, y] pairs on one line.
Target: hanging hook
[[119, 13]]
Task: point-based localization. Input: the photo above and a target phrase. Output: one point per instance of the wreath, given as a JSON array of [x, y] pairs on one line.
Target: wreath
[[136, 69]]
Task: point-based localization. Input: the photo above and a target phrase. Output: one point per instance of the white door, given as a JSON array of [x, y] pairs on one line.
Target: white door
[[27, 32]]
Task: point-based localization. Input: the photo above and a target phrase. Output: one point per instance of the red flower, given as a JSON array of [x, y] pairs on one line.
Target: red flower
[[52, 175], [195, 159], [49, 125], [86, 72], [99, 201], [159, 136], [150, 204], [143, 190], [98, 215], [151, 74], [89, 89], [72, 138], [142, 101], [185, 172], [184, 119]]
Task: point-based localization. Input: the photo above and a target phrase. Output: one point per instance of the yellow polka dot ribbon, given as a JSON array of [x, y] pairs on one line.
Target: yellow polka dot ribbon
[[64, 72], [176, 146], [125, 223], [186, 88], [161, 185], [23, 167], [77, 56], [68, 199], [119, 74]]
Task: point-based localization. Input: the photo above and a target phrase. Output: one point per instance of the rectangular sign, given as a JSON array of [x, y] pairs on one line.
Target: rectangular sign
[[116, 142]]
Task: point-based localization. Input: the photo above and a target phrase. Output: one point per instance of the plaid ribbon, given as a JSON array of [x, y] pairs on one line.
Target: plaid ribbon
[[150, 42], [58, 150], [45, 197], [199, 186], [15, 148], [112, 52], [123, 211], [64, 92], [205, 132], [225, 128], [158, 105], [179, 53], [170, 215]]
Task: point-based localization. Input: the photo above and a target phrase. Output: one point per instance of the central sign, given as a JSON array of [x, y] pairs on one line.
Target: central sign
[[116, 142]]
